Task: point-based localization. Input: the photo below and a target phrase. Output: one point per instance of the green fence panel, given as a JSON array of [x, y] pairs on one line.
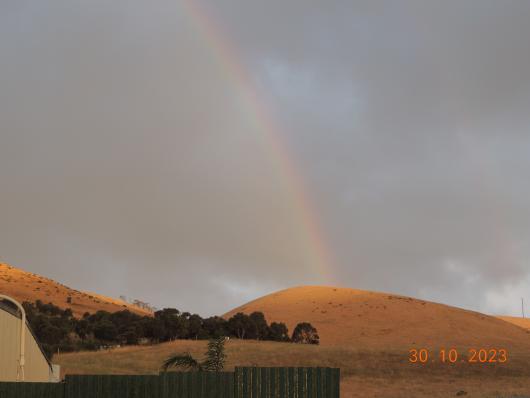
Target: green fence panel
[[31, 390], [112, 386], [245, 382], [287, 382], [197, 384], [169, 385]]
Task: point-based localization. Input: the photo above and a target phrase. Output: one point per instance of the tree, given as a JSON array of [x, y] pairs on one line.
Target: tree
[[194, 326], [260, 329], [82, 328], [105, 330], [240, 325], [215, 356], [215, 327], [214, 362], [278, 332], [154, 329], [56, 328], [182, 360], [174, 324], [51, 334], [129, 336], [305, 333]]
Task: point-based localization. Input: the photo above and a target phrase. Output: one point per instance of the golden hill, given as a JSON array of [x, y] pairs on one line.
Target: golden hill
[[522, 322], [369, 320], [27, 286]]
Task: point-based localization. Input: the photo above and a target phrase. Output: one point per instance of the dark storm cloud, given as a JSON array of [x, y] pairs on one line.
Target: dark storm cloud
[[131, 163]]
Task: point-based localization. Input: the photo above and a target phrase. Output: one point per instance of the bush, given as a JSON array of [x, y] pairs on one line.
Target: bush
[[305, 333], [279, 332]]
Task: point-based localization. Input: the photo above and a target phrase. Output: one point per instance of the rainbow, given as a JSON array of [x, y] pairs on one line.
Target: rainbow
[[225, 52]]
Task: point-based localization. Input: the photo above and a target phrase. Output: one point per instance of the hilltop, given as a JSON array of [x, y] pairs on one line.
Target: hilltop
[[27, 286], [343, 317], [371, 320]]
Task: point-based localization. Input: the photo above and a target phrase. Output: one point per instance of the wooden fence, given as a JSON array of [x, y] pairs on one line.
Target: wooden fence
[[243, 383]]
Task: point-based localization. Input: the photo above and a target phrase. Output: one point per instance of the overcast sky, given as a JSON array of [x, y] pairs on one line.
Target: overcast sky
[[134, 160]]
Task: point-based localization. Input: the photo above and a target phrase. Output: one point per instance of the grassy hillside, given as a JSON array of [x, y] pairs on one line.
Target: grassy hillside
[[366, 373], [521, 322], [369, 320], [27, 286], [366, 334]]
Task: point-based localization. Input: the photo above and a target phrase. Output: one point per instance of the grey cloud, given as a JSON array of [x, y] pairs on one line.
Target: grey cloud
[[131, 162]]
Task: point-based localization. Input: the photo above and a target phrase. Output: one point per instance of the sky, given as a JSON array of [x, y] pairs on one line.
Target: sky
[[199, 154]]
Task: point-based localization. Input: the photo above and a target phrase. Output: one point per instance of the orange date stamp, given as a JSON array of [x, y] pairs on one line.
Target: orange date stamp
[[452, 355]]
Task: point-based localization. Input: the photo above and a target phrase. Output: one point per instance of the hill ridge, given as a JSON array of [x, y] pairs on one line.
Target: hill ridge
[[345, 316], [28, 286]]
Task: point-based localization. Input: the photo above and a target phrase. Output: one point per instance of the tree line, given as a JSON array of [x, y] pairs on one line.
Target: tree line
[[59, 330]]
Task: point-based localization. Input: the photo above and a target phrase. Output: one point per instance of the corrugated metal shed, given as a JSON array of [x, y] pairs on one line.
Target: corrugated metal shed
[[37, 366]]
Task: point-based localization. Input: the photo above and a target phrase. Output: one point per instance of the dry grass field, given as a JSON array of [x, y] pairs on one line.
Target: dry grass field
[[365, 373], [27, 286]]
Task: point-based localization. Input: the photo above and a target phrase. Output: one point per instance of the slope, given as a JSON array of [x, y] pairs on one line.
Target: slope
[[370, 320], [521, 322], [27, 286]]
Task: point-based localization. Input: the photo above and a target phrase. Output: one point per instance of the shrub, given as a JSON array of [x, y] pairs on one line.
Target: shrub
[[305, 333]]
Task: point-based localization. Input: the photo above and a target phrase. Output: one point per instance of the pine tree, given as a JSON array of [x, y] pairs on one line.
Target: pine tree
[[215, 356]]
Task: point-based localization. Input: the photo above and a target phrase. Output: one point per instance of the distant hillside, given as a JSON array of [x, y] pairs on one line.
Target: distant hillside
[[364, 319], [26, 286], [522, 322]]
